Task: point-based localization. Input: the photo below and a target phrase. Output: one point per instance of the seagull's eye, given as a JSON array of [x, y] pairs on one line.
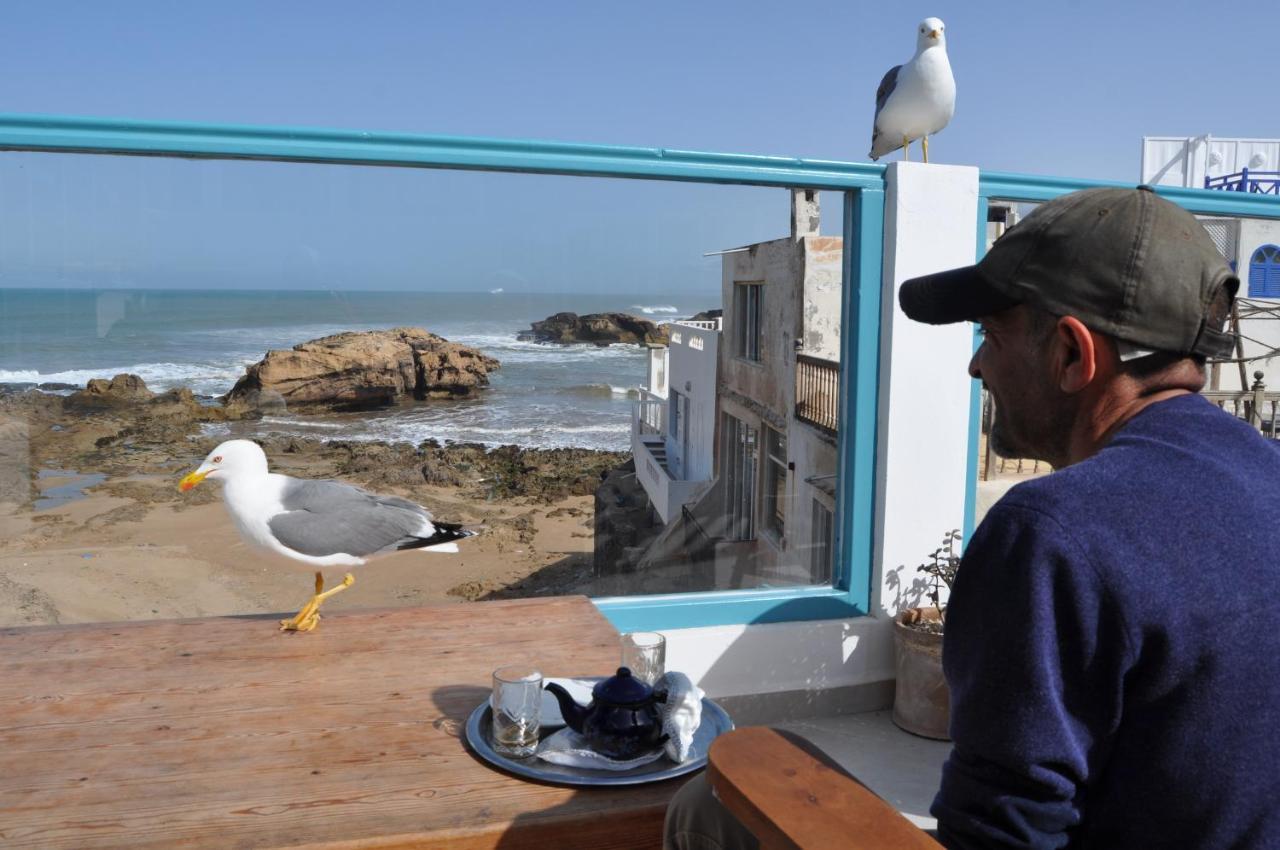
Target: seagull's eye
[[218, 459]]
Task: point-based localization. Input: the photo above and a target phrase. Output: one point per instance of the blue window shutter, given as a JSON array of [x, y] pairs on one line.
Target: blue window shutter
[[1264, 272]]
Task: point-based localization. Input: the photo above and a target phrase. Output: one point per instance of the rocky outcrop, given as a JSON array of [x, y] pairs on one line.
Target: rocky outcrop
[[362, 370], [708, 315], [121, 390], [598, 328]]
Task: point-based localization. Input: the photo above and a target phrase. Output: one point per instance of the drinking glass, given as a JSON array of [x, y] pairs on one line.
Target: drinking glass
[[516, 702], [646, 654]]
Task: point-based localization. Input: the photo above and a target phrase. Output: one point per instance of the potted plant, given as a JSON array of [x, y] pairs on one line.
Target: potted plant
[[921, 701]]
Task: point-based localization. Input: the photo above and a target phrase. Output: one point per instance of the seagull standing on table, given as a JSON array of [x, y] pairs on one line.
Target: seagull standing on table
[[321, 523], [917, 99]]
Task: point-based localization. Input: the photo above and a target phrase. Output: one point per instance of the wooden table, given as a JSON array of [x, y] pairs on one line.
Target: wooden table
[[226, 733]]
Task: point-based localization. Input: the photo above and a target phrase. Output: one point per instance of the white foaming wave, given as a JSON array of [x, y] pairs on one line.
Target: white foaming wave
[[204, 378], [508, 349], [659, 308], [612, 436], [301, 423]]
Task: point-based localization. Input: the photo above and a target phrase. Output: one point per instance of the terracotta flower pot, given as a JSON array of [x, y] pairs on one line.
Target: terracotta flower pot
[[921, 701]]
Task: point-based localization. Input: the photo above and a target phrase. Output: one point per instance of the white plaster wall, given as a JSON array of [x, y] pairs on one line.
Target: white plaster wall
[[658, 370], [1261, 334], [693, 374], [931, 214], [923, 444], [820, 307], [777, 657]]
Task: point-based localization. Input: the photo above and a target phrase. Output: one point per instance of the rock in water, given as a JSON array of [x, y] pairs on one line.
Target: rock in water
[[599, 328], [363, 370]]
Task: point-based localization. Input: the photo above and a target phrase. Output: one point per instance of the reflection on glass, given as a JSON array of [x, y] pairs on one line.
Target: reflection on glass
[[587, 371]]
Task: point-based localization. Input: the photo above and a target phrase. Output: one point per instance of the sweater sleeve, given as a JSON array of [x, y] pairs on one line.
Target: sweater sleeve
[[1034, 654]]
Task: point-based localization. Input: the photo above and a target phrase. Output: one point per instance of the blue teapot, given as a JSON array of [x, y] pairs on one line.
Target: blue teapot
[[622, 722]]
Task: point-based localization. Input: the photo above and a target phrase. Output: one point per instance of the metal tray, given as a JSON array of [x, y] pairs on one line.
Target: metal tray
[[714, 722]]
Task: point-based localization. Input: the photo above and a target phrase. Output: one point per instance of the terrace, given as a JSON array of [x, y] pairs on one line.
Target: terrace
[[818, 657]]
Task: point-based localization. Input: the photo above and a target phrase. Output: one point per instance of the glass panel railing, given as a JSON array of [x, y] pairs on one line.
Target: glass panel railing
[[537, 358]]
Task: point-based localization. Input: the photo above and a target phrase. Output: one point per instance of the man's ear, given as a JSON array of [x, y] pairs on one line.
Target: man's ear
[[1076, 359]]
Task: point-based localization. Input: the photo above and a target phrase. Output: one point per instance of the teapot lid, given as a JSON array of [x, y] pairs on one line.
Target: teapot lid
[[622, 689]]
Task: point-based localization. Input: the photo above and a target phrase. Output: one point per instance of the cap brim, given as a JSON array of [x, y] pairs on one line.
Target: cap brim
[[958, 295]]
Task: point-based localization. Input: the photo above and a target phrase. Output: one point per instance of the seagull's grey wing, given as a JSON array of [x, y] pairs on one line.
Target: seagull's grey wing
[[329, 517], [887, 85]]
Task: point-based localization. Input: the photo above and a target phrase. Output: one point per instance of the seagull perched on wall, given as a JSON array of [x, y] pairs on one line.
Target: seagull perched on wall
[[917, 99], [319, 523]]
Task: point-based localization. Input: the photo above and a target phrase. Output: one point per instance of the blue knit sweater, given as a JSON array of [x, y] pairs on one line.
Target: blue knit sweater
[[1113, 648]]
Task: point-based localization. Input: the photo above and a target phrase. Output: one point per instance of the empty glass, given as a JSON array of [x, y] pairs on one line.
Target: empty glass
[[516, 702], [646, 654]]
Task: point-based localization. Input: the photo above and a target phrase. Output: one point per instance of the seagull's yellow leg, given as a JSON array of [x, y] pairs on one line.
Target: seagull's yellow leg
[[924, 140], [906, 149], [309, 617]]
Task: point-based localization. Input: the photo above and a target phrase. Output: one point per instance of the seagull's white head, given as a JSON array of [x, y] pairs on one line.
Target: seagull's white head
[[931, 33], [232, 458]]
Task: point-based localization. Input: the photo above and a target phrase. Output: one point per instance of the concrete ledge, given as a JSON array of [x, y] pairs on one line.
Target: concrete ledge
[[790, 706]]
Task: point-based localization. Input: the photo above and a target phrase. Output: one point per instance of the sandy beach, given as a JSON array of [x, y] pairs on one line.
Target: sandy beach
[[124, 544]]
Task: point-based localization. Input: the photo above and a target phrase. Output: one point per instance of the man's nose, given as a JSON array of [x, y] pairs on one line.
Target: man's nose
[[974, 371]]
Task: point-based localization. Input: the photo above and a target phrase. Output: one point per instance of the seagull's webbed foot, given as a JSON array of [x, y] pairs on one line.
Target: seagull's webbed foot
[[309, 617]]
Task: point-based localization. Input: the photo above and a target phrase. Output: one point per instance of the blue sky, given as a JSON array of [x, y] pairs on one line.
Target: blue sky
[[1053, 88]]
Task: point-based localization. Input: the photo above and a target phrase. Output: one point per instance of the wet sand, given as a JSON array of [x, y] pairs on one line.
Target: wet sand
[[132, 549]]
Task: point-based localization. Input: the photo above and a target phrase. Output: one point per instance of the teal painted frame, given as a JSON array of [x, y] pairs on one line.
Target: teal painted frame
[[994, 185], [110, 136], [862, 183]]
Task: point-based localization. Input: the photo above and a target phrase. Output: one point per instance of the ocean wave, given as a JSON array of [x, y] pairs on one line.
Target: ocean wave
[[508, 349], [659, 308], [308, 423], [601, 390], [202, 378], [609, 436]]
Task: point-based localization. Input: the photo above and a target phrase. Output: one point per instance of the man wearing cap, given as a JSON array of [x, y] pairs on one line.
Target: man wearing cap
[[1112, 646]]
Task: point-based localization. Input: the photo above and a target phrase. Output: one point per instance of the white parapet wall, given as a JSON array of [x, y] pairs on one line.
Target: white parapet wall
[[925, 390], [921, 469]]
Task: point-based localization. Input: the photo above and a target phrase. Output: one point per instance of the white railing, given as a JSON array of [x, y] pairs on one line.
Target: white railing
[[649, 414], [706, 325], [667, 494]]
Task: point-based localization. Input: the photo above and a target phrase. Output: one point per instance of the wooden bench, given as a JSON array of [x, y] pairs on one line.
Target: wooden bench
[[792, 796]]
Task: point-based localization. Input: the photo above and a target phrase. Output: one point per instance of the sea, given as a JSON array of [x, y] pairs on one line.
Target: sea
[[544, 395]]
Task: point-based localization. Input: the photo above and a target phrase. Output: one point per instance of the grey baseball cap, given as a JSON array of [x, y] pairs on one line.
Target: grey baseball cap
[[1125, 262]]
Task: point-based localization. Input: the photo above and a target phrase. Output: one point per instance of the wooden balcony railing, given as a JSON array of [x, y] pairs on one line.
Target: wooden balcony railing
[[1255, 405], [818, 392]]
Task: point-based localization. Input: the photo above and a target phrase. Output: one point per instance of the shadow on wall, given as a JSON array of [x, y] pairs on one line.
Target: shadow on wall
[[746, 676]]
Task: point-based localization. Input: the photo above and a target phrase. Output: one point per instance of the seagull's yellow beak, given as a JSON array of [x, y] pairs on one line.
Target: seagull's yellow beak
[[190, 480], [935, 33]]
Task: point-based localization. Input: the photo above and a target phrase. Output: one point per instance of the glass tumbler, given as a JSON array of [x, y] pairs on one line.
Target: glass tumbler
[[646, 654], [516, 704]]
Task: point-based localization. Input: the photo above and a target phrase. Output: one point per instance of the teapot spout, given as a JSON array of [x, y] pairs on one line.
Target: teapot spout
[[573, 714]]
